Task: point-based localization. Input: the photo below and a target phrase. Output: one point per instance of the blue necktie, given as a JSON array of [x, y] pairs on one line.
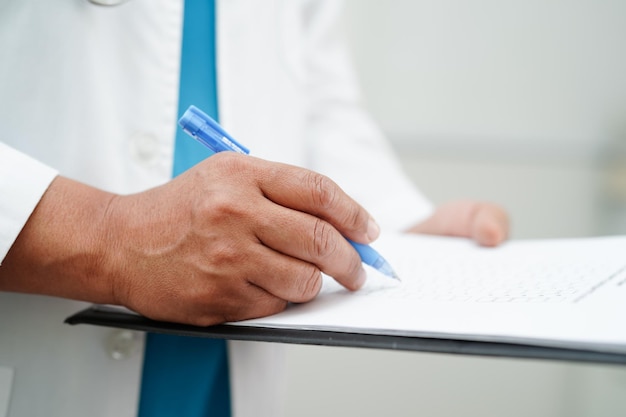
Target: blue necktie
[[184, 376]]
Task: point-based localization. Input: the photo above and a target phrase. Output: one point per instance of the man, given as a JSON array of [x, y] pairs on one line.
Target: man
[[92, 92]]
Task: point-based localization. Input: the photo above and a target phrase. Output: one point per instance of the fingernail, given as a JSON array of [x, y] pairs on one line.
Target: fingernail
[[373, 230]]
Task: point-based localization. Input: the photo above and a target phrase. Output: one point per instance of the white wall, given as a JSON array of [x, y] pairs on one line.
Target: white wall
[[513, 102], [547, 74]]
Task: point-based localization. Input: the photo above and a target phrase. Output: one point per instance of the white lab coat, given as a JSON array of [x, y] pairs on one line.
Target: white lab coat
[[92, 92]]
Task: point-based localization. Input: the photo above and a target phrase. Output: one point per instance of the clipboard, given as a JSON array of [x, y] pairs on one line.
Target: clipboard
[[107, 316], [582, 322]]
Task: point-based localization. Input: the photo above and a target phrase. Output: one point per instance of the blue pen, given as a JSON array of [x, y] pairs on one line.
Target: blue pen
[[207, 131]]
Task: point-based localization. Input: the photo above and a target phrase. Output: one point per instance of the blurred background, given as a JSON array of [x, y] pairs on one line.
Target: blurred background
[[521, 102]]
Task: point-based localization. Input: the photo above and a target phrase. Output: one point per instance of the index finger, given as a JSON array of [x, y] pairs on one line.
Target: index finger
[[313, 193]]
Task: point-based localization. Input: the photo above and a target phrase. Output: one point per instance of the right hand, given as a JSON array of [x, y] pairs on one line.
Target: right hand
[[235, 237]]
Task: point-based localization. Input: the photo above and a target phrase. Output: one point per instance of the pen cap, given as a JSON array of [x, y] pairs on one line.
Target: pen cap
[[207, 131]]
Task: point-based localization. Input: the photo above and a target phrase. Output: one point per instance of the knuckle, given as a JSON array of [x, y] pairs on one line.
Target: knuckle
[[218, 206], [329, 198], [309, 286], [221, 208], [323, 188], [226, 255], [262, 305], [234, 310], [323, 242], [355, 217]]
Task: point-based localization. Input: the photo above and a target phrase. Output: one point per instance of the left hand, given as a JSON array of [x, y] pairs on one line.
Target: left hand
[[486, 223]]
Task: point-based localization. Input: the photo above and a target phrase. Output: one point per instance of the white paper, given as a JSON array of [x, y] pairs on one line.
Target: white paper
[[561, 293]]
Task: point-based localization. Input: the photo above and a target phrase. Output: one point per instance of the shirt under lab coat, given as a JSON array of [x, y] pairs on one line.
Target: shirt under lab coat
[[91, 92]]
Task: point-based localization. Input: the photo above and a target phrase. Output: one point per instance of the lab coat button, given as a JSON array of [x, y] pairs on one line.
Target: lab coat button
[[123, 344], [144, 147]]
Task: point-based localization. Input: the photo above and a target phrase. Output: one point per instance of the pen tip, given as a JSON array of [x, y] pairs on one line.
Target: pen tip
[[388, 270]]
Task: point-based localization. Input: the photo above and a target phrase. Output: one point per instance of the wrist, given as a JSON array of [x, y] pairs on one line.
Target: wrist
[[60, 250]]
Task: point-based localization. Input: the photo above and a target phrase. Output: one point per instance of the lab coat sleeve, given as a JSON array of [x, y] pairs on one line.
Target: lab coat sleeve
[[344, 142], [23, 181]]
